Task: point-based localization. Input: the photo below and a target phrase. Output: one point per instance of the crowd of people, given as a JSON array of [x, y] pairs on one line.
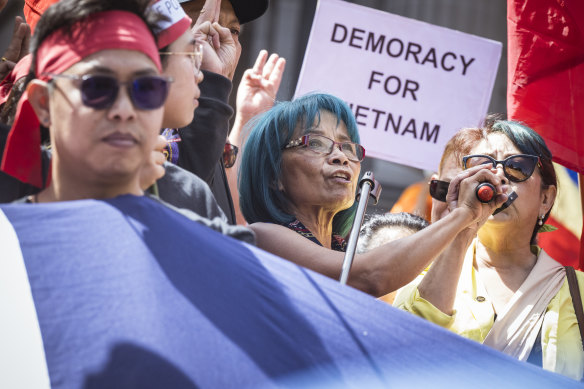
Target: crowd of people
[[117, 98]]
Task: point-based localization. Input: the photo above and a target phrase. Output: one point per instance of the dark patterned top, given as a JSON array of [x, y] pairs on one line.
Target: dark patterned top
[[337, 241]]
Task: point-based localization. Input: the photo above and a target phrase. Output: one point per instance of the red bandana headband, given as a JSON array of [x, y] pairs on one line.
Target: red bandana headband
[[177, 24], [58, 52]]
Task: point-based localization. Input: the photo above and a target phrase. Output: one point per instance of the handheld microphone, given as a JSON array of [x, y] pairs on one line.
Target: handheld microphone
[[485, 192]]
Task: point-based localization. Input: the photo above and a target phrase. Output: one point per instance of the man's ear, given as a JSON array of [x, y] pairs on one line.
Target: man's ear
[[38, 96]]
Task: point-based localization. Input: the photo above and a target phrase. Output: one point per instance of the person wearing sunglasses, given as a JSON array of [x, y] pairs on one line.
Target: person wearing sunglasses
[[12, 188], [180, 57], [103, 105], [298, 179], [494, 284], [99, 101]]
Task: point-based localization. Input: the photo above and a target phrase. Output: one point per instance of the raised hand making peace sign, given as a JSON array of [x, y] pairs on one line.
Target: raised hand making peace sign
[[217, 26]]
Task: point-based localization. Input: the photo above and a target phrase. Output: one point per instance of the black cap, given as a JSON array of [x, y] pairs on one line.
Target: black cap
[[246, 10]]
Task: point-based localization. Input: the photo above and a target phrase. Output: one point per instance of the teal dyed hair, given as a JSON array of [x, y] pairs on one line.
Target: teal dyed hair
[[261, 162]]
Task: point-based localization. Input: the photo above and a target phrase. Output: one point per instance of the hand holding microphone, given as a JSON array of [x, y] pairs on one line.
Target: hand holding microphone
[[485, 193], [477, 189]]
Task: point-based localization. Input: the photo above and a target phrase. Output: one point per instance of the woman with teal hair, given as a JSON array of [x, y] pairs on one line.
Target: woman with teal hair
[[323, 118], [297, 183]]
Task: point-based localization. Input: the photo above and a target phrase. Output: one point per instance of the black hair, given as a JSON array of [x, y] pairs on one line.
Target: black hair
[[375, 223]]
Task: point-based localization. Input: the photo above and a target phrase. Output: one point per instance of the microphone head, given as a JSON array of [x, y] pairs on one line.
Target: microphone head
[[485, 192]]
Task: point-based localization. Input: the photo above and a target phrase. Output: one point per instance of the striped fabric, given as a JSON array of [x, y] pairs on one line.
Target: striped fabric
[[564, 244]]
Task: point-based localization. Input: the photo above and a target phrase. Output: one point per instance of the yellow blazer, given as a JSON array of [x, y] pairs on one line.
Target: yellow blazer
[[474, 315]]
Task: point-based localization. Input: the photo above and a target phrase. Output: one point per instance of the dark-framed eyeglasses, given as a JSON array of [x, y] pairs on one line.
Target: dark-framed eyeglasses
[[229, 154], [322, 145], [196, 55], [439, 190], [517, 168], [100, 91]]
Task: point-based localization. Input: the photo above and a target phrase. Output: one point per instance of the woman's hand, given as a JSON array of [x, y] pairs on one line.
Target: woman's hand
[[461, 193], [259, 85]]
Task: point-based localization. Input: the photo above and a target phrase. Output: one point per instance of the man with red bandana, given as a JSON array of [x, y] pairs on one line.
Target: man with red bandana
[[82, 83], [99, 91], [181, 59], [198, 147]]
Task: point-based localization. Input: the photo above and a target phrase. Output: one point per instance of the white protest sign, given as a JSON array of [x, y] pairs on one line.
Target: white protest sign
[[410, 84]]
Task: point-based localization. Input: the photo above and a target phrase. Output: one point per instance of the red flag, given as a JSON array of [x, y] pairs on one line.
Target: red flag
[[546, 76], [33, 9], [546, 73]]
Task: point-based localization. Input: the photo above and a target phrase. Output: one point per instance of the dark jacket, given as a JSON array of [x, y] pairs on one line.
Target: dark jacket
[[201, 147]]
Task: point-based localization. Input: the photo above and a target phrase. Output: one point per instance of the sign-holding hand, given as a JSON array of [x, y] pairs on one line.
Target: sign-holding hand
[[220, 50]]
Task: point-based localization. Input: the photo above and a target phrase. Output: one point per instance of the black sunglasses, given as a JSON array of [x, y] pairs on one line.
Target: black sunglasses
[[439, 190], [101, 91], [517, 168]]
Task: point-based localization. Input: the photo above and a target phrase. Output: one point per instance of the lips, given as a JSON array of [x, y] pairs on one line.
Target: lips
[[119, 139], [342, 175]]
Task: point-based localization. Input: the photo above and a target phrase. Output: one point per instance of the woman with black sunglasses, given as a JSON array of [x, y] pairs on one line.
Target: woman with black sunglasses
[[298, 177], [493, 284]]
